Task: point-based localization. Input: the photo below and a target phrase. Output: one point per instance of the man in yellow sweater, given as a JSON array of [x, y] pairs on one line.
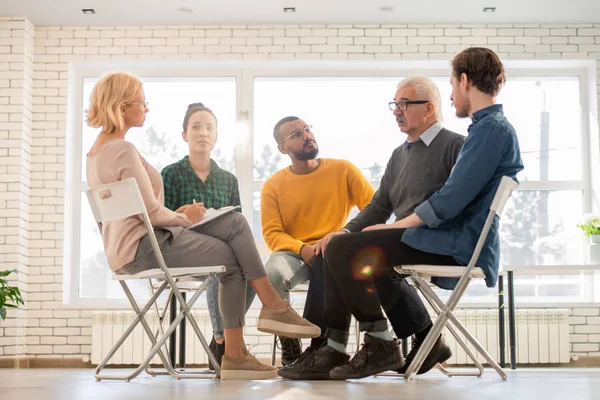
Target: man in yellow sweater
[[301, 204]]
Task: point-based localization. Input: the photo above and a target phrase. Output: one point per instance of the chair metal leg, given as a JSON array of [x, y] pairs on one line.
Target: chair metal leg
[[186, 312], [478, 346], [139, 318], [273, 353], [445, 314], [160, 330], [357, 333], [156, 349], [437, 304]]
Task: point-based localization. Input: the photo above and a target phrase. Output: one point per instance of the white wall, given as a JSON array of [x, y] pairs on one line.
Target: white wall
[[33, 99]]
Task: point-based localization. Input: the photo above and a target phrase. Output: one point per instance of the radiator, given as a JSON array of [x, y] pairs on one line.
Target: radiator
[[108, 326], [542, 335]]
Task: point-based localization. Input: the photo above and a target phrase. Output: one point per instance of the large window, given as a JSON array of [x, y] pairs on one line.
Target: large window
[[347, 107], [161, 143]]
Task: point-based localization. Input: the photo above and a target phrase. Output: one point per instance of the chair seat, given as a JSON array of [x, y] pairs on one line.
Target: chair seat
[[301, 288], [444, 271], [175, 273]]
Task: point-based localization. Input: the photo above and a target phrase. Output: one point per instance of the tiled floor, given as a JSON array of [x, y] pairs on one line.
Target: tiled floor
[[523, 384]]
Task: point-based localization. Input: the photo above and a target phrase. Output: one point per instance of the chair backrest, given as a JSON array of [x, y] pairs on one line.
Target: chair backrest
[[120, 200], [116, 200], [507, 185]]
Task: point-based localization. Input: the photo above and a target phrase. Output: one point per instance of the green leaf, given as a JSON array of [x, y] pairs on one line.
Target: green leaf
[[3, 313], [7, 272]]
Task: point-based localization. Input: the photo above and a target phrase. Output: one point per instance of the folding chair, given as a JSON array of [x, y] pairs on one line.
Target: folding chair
[[446, 311], [123, 199]]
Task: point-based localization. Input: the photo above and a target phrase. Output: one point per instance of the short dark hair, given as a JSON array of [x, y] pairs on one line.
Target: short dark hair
[[193, 109], [483, 69], [281, 122]]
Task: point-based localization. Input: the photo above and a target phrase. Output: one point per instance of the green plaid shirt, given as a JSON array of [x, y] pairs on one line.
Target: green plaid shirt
[[183, 186]]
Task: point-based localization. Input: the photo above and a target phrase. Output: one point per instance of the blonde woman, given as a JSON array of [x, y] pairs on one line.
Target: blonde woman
[[117, 104]]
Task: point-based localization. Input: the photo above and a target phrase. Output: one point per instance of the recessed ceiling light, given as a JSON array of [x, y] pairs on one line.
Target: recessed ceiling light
[[88, 11], [489, 9], [289, 9], [185, 9], [386, 8]]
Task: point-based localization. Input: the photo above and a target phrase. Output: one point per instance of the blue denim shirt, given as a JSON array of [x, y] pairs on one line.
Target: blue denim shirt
[[454, 215]]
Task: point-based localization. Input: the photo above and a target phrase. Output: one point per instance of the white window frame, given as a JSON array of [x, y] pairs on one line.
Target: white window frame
[[245, 73]]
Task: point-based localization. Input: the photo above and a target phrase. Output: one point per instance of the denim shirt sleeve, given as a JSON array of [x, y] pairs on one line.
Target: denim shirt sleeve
[[479, 158]]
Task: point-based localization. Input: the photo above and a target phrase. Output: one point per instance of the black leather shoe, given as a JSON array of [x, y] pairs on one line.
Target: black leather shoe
[[439, 353], [291, 349], [315, 366], [374, 356], [218, 350]]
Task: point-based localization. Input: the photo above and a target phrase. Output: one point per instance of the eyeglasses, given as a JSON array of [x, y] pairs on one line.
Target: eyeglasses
[[299, 133], [403, 104], [144, 104]]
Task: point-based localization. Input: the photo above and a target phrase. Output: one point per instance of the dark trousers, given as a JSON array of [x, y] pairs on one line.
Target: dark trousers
[[360, 280], [315, 297]]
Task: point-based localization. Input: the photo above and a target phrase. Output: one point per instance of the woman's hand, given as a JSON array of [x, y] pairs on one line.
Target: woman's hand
[[194, 212]]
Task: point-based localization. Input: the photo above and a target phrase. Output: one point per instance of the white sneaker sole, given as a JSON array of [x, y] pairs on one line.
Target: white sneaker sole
[[246, 375], [288, 330]]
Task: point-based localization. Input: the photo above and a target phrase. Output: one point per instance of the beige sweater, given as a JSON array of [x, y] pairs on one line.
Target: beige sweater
[[117, 160]]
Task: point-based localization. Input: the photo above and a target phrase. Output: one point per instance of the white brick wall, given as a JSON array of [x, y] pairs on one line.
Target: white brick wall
[[33, 90], [16, 98]]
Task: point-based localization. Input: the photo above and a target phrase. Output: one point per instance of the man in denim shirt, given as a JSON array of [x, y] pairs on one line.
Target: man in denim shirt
[[443, 230]]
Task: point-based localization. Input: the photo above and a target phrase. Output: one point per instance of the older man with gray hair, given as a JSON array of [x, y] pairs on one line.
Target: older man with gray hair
[[416, 170]]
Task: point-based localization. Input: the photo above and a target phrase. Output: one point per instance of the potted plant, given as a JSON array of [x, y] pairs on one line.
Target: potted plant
[[590, 225], [10, 296]]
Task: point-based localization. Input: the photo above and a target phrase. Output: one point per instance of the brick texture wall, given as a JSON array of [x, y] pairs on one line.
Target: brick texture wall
[[33, 101]]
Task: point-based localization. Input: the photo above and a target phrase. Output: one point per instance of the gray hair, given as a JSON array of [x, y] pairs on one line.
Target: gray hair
[[426, 90]]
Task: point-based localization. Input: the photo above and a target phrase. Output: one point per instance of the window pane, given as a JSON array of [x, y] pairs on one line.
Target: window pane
[[538, 227], [159, 140], [546, 115], [257, 226], [350, 117]]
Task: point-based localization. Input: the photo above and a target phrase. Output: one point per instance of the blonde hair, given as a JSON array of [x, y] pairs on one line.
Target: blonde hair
[[425, 89], [110, 93]]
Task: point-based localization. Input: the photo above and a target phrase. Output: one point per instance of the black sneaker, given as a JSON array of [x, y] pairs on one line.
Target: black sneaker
[[439, 353], [315, 364], [374, 356], [307, 352], [218, 350], [291, 349]]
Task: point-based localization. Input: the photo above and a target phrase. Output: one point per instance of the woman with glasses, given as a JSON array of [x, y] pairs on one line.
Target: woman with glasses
[[117, 104]]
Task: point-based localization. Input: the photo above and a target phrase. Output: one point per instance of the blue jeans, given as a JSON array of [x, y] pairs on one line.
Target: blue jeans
[[286, 270], [212, 300]]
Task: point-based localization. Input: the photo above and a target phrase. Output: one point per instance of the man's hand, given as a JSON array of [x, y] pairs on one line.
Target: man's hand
[[321, 244], [379, 227], [307, 252]]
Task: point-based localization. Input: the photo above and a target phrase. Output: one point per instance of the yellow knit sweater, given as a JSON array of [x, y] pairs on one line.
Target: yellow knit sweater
[[301, 209]]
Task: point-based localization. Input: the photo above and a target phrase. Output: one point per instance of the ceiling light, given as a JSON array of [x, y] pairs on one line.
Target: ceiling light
[[289, 9], [489, 9], [88, 11], [386, 8], [185, 9]]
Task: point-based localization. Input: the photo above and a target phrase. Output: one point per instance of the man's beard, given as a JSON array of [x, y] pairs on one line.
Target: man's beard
[[462, 112], [305, 156]]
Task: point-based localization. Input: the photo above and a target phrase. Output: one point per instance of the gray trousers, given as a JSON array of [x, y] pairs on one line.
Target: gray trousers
[[227, 241]]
